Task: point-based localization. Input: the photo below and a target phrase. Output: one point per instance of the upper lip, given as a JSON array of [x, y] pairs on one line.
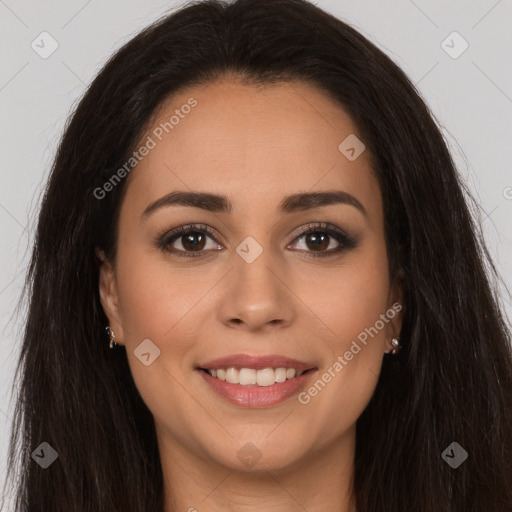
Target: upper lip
[[256, 362]]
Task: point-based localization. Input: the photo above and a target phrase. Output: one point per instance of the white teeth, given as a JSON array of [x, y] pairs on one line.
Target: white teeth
[[247, 376], [280, 374], [266, 377], [250, 376], [233, 376]]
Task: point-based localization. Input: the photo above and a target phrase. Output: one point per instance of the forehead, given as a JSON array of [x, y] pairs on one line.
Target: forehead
[[253, 144]]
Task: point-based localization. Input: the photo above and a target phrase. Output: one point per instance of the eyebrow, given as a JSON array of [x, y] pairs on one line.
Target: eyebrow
[[218, 203]]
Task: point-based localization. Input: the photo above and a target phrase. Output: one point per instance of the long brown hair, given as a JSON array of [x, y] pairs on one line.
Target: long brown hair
[[452, 382]]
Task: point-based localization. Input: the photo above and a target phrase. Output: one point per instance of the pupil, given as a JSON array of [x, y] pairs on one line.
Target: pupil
[[319, 240], [194, 245]]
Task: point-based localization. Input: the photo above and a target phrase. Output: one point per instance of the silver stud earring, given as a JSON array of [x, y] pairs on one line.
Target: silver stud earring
[[112, 336], [396, 347]]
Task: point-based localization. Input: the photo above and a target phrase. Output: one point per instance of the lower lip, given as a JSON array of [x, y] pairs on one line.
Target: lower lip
[[257, 396]]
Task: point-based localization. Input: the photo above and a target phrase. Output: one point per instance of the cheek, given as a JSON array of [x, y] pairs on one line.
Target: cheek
[[153, 298], [350, 297], [350, 304], [156, 305]]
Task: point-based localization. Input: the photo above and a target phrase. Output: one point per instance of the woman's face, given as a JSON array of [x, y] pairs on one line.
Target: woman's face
[[254, 289]]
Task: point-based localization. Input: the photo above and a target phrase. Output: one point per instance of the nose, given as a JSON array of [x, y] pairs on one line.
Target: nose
[[258, 296]]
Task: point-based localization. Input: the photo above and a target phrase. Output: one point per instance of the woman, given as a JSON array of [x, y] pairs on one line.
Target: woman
[[257, 285]]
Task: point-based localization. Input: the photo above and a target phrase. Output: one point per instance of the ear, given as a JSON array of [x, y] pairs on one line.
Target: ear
[[396, 305], [109, 297]]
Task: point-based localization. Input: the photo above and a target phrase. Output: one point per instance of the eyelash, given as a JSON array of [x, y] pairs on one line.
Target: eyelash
[[345, 240]]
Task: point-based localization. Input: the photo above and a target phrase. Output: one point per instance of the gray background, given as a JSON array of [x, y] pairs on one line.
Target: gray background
[[471, 97]]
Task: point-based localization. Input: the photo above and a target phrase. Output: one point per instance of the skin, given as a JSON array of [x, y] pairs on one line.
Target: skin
[[255, 145]]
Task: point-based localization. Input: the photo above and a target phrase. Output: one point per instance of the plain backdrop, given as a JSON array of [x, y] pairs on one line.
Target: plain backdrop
[[468, 89]]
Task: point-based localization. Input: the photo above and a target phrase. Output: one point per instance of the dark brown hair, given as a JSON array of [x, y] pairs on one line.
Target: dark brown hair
[[451, 382]]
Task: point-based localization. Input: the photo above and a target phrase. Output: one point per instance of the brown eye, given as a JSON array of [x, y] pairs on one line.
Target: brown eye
[[193, 241], [317, 240], [320, 238], [188, 241]]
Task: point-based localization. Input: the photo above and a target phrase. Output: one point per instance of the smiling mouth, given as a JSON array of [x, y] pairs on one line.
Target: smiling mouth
[[256, 388]]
